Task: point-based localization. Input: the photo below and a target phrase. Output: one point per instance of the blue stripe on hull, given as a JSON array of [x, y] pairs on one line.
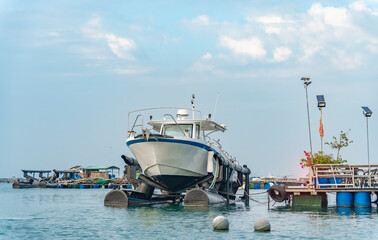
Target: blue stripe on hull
[[196, 144]]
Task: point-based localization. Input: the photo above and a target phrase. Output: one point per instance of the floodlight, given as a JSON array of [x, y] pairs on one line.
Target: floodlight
[[367, 112], [321, 101], [306, 80]]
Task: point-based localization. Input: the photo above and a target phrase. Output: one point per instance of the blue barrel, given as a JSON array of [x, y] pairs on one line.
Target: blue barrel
[[96, 186], [362, 200], [322, 181], [344, 199], [266, 185], [82, 186], [128, 186], [338, 181], [257, 185]]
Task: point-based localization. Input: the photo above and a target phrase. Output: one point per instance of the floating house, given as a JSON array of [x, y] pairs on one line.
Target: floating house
[[97, 172], [31, 179]]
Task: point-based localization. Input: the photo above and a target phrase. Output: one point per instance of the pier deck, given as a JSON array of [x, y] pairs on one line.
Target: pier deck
[[325, 178], [344, 180], [315, 191]]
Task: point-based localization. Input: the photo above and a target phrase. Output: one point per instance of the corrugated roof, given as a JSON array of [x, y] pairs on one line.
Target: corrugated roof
[[100, 167]]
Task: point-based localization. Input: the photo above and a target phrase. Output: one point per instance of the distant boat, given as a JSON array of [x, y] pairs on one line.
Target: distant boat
[[43, 184], [25, 184], [31, 181]]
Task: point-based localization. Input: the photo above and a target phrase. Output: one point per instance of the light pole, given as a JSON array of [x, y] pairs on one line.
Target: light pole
[[367, 112], [321, 105], [306, 83]]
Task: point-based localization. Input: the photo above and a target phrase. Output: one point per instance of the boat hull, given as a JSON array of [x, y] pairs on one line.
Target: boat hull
[[171, 162], [24, 185]]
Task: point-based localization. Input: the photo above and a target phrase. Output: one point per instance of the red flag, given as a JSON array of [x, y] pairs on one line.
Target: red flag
[[321, 130]]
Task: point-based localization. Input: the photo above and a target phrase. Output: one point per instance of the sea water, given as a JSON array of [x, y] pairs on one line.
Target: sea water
[[81, 214]]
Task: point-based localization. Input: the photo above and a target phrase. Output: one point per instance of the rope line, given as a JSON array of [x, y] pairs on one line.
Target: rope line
[[249, 195]]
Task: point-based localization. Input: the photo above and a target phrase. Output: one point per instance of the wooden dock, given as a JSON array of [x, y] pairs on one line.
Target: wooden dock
[[327, 178]]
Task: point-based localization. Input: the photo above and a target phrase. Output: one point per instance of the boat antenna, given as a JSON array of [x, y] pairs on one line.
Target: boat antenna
[[215, 107], [193, 97]]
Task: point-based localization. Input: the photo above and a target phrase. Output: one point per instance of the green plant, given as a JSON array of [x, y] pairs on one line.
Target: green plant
[[343, 141], [319, 158]]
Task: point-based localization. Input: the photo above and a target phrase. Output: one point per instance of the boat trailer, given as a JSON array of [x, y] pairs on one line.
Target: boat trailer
[[208, 190]]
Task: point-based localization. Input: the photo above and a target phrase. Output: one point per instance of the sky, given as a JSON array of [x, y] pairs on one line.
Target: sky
[[70, 71]]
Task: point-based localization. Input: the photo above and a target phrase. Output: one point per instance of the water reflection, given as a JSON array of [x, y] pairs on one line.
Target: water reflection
[[344, 211], [327, 210], [362, 211], [301, 209]]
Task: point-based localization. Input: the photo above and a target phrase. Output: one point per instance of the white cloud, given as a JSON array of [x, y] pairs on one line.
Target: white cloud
[[346, 61], [272, 20], [373, 48], [252, 47], [203, 20], [119, 46], [273, 24], [273, 29], [207, 56], [335, 17], [310, 48], [281, 54], [331, 35], [360, 6], [53, 34]]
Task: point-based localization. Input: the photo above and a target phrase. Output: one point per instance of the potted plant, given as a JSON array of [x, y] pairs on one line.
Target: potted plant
[[321, 158]]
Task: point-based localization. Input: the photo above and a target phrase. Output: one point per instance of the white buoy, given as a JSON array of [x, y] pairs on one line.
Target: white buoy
[[220, 223], [262, 225]]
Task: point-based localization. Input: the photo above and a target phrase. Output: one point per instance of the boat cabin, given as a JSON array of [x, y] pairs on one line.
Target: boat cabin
[[66, 174], [181, 126], [97, 172], [186, 128], [31, 174]]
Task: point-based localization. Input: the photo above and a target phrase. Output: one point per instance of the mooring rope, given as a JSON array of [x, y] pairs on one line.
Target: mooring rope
[[249, 195], [216, 174]]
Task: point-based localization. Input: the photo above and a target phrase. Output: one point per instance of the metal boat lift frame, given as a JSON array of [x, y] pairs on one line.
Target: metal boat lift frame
[[200, 195]]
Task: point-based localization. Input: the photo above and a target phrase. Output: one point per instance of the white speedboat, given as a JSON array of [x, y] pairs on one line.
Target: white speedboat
[[176, 151]]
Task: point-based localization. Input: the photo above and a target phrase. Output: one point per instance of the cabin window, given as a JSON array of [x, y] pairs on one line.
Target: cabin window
[[198, 131], [174, 130]]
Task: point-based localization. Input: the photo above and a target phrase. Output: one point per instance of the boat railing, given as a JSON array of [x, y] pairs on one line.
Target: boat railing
[[167, 114], [342, 175], [157, 108], [139, 125], [224, 153]]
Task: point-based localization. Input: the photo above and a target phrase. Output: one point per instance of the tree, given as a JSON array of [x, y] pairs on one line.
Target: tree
[[343, 141]]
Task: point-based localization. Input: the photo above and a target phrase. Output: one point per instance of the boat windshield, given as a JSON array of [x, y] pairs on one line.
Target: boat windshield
[[174, 130]]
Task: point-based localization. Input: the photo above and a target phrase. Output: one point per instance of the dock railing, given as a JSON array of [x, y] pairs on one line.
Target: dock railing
[[343, 176]]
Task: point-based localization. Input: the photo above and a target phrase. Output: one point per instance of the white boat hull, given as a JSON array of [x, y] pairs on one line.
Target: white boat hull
[[174, 157], [171, 161]]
